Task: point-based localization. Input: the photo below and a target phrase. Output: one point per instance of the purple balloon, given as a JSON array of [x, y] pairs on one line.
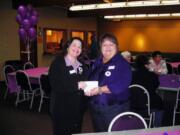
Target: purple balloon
[[33, 20], [26, 24], [32, 33], [22, 11], [34, 13], [29, 8], [28, 15], [22, 34], [19, 19]]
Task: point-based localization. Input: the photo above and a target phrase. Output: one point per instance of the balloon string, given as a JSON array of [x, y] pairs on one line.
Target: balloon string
[[28, 49]]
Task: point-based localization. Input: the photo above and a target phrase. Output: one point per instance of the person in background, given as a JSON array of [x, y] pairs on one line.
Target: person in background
[[94, 48], [113, 74], [150, 81], [67, 101], [127, 56], [61, 44], [157, 64]]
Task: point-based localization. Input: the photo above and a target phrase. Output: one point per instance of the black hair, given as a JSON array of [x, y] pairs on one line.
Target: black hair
[[141, 60], [68, 43], [156, 53], [109, 37]]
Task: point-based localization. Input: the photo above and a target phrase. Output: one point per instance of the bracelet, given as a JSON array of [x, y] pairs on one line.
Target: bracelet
[[99, 90]]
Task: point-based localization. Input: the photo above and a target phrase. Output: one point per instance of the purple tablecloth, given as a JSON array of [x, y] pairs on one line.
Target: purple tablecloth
[[170, 81], [33, 74], [174, 64]]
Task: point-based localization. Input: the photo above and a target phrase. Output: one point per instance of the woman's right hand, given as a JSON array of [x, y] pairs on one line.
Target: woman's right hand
[[92, 92]]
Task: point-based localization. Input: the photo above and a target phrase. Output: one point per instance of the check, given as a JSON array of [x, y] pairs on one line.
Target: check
[[90, 85]]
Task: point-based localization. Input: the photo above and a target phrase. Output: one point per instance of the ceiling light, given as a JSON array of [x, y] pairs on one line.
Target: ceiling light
[[135, 3], [170, 2], [130, 16], [125, 4], [175, 14], [152, 15], [142, 16], [164, 15]]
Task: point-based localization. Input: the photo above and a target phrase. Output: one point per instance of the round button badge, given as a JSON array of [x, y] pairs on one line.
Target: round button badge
[[107, 73]]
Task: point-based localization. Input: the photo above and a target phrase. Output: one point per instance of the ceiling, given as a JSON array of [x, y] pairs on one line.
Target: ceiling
[[99, 12]]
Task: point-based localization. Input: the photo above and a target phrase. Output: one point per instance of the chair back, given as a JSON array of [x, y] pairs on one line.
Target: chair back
[[139, 99], [169, 68], [28, 65], [127, 121], [44, 84], [22, 80], [178, 69], [140, 102], [176, 106], [17, 64], [7, 69]]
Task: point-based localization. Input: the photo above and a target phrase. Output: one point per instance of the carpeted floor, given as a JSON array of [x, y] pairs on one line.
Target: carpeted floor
[[22, 121]]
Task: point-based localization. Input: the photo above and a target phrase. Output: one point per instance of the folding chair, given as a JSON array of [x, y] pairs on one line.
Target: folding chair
[[127, 121], [27, 89], [45, 89], [140, 102], [169, 68], [28, 65], [176, 107], [7, 69], [178, 69]]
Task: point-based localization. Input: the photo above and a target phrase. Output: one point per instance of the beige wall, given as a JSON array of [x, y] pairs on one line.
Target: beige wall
[[9, 42], [48, 17], [145, 35], [57, 18]]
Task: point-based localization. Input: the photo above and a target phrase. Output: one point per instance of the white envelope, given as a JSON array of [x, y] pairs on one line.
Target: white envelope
[[90, 85]]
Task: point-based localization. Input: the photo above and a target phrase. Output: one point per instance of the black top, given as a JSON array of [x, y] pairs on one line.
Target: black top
[[67, 102], [150, 81], [62, 79]]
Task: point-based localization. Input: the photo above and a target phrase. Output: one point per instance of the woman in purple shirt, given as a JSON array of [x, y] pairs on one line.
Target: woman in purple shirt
[[113, 74]]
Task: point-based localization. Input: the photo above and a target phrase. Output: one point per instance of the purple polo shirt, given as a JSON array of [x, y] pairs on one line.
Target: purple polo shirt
[[117, 75]]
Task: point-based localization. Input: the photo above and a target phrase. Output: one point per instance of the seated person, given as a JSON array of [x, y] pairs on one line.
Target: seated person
[[158, 65], [150, 81], [127, 56]]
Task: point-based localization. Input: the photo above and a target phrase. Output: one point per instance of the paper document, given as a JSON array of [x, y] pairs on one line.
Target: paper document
[[90, 85]]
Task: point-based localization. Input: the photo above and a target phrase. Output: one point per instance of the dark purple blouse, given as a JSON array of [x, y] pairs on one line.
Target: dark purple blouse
[[116, 74]]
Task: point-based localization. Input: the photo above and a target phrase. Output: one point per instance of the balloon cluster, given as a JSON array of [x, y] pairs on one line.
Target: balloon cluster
[[27, 18]]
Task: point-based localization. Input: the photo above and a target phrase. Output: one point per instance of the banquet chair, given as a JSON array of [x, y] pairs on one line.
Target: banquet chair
[[25, 88], [178, 69], [176, 107], [7, 69], [28, 65], [17, 64], [45, 89], [127, 121], [169, 68], [140, 102]]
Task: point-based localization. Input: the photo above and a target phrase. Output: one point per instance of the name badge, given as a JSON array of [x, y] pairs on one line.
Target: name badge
[[111, 67], [72, 71]]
